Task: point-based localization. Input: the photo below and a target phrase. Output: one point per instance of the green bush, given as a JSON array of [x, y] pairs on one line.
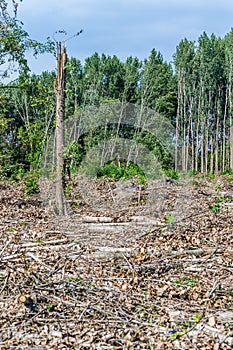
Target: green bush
[[228, 171], [172, 174], [31, 185], [121, 171]]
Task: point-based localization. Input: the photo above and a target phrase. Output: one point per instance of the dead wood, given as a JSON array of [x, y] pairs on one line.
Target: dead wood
[[122, 280]]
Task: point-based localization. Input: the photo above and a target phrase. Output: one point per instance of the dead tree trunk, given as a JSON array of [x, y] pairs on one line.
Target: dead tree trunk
[[60, 111]]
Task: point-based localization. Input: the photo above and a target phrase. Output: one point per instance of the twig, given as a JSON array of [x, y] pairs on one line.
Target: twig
[[224, 338], [5, 246], [130, 265], [83, 312], [197, 251], [10, 257], [5, 282], [42, 243], [212, 290], [34, 257]]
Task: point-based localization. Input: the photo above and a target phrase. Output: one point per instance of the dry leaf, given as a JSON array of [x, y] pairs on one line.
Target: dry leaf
[[212, 321]]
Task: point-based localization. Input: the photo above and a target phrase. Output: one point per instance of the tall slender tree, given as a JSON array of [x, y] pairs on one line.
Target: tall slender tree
[[60, 136], [229, 97]]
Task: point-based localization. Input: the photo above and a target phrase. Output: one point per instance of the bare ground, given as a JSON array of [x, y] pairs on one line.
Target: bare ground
[[151, 269]]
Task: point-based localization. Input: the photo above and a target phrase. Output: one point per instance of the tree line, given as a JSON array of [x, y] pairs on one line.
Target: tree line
[[204, 103], [195, 94], [28, 111]]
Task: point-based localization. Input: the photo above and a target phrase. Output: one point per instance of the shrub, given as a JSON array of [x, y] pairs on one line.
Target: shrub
[[121, 170]]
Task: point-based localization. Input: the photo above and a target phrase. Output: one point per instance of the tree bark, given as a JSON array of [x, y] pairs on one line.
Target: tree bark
[[60, 112], [231, 142], [224, 138]]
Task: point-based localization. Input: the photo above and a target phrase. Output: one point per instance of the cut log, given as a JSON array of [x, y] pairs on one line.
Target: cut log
[[106, 227], [94, 219], [144, 220]]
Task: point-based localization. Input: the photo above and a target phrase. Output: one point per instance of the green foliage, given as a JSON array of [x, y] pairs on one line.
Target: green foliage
[[73, 157], [21, 133], [68, 190], [118, 169], [186, 281], [31, 184], [74, 86], [196, 183], [77, 151], [51, 307], [198, 317], [201, 82], [179, 334], [215, 208], [228, 171], [153, 144], [15, 41], [172, 174], [217, 205], [132, 69], [157, 85], [170, 219], [31, 139]]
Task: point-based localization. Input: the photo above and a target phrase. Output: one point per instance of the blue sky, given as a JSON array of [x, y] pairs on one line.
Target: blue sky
[[123, 27]]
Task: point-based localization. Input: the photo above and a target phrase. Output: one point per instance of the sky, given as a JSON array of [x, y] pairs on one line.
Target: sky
[[122, 27]]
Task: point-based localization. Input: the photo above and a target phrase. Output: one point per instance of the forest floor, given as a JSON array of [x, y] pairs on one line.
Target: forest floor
[[131, 267]]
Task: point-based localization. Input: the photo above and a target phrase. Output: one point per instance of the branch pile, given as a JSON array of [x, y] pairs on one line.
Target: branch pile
[[166, 286]]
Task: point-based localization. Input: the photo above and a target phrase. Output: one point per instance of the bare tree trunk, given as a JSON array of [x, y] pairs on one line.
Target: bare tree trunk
[[206, 147], [231, 143], [202, 146], [180, 122], [211, 155], [191, 146], [189, 137], [185, 136], [192, 150], [224, 140], [60, 111], [202, 126], [177, 126], [197, 136], [230, 128], [183, 148], [197, 146], [216, 146], [230, 115]]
